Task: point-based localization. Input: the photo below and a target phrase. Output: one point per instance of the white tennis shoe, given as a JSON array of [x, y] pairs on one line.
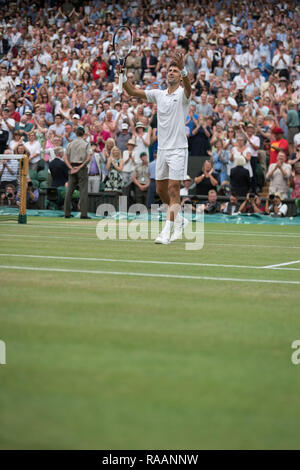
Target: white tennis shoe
[[162, 239], [179, 225]]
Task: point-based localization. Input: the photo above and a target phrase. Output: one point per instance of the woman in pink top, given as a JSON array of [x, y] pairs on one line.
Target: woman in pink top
[[296, 182]]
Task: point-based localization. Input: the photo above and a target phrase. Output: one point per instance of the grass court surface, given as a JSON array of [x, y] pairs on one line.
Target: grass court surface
[[132, 345]]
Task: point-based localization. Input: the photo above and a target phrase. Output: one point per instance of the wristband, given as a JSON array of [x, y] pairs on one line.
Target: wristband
[[183, 73]]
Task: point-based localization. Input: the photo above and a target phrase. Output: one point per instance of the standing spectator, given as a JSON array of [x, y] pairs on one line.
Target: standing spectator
[[123, 137], [129, 159], [7, 123], [77, 157], [199, 142], [279, 174], [206, 179], [149, 62], [59, 171], [34, 148], [220, 160], [141, 179], [292, 121], [253, 144], [94, 170], [295, 183], [142, 141], [114, 167], [240, 177], [278, 144]]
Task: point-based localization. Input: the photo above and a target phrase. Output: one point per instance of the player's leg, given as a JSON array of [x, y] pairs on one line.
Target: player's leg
[[177, 161], [162, 189]]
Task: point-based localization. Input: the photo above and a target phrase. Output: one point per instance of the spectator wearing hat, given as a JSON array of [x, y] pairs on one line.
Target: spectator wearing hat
[[149, 63], [123, 137], [275, 207], [7, 123], [24, 126], [278, 143], [129, 159], [279, 174], [142, 140], [141, 179], [240, 177], [77, 156]]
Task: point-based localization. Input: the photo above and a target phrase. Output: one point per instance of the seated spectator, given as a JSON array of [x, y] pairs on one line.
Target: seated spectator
[[212, 206], [279, 174], [240, 177], [32, 195], [295, 183], [231, 207], [8, 195], [252, 205], [275, 207], [187, 183], [206, 180], [220, 160], [141, 179], [114, 167], [59, 170]]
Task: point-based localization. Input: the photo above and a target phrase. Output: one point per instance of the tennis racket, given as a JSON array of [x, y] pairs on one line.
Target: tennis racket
[[122, 44]]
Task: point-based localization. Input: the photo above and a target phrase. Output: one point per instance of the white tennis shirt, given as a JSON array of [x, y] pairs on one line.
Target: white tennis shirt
[[172, 111]]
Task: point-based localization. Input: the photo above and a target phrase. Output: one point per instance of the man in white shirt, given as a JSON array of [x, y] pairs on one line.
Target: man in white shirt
[[253, 143], [281, 62], [172, 156], [231, 63]]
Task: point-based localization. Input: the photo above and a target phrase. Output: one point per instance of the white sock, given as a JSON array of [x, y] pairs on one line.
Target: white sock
[[179, 217], [168, 227]]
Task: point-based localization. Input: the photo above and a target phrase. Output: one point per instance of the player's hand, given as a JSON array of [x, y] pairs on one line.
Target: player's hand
[[179, 59]]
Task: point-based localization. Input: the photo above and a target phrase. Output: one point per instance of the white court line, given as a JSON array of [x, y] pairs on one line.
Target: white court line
[[54, 237], [89, 226], [138, 261], [282, 264], [155, 275]]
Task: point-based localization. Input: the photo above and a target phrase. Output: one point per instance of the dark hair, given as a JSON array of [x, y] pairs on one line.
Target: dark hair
[[173, 64], [80, 132]]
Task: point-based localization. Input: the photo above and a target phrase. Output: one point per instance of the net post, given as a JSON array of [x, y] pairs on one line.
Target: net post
[[24, 163]]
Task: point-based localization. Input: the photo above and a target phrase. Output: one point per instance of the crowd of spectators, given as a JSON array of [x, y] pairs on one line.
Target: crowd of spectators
[[57, 71]]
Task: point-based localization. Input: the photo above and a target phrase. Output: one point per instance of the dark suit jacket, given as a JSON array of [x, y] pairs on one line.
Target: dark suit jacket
[[153, 61], [240, 180], [5, 46]]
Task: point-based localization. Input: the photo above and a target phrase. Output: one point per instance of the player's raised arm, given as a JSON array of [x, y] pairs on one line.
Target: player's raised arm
[[130, 88], [179, 59]]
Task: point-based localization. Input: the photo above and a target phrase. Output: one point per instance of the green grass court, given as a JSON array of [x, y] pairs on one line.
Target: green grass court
[[106, 353]]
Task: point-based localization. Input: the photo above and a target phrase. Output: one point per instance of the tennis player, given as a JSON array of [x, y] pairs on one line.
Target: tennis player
[[172, 156]]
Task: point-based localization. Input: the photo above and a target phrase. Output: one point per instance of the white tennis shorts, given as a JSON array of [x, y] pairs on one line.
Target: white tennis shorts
[[171, 164]]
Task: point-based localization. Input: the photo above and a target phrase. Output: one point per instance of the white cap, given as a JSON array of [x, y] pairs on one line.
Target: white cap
[[75, 116], [124, 125]]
